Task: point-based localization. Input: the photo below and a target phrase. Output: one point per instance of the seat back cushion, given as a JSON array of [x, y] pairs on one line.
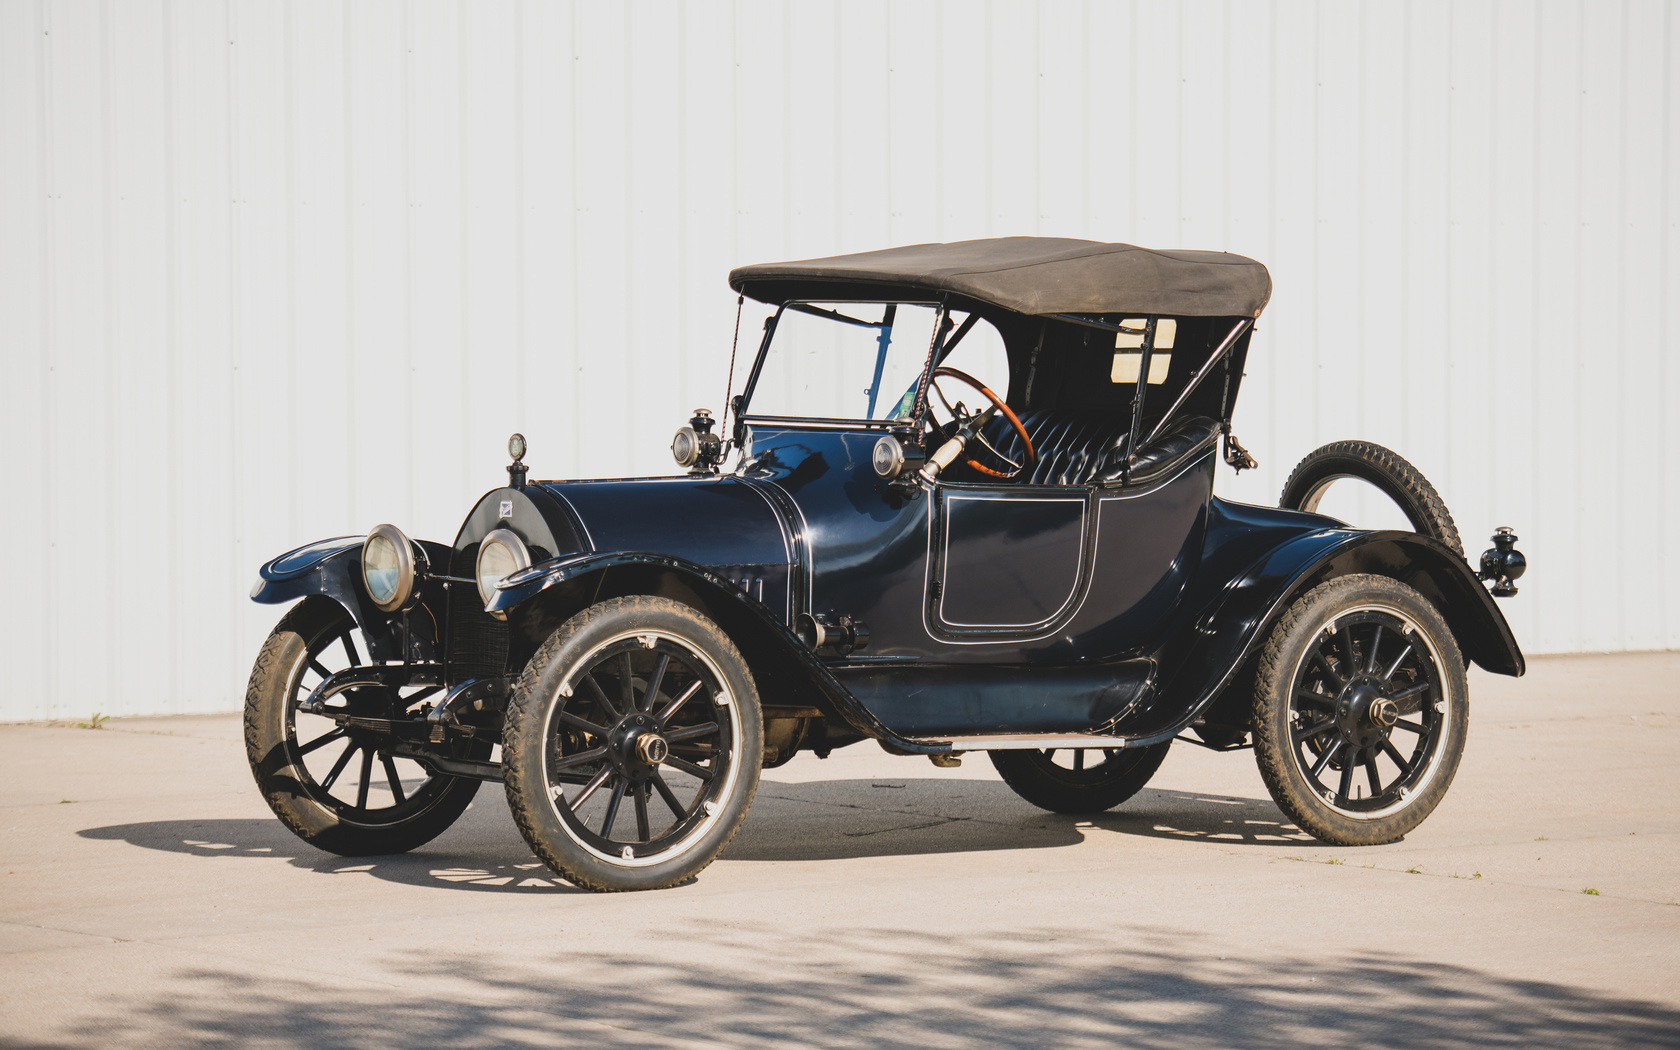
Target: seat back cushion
[[1079, 448]]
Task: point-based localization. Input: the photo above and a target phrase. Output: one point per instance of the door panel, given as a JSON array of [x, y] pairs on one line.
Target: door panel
[[1010, 562]]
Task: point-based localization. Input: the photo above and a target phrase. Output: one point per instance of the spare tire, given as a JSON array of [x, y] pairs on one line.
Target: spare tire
[[1377, 466]]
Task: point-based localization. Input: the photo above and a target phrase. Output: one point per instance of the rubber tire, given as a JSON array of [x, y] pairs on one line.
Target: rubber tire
[[266, 694], [527, 715], [1381, 467], [1284, 650], [1032, 775]]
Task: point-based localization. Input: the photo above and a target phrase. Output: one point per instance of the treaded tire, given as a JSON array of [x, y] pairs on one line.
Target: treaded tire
[[1034, 775], [1324, 668], [309, 810], [547, 768], [1381, 467]]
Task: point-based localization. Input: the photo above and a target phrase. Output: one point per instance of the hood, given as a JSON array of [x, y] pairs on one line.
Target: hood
[[719, 522]]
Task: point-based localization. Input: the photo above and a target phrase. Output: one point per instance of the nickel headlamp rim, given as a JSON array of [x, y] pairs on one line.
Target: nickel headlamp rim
[[404, 550], [509, 541]]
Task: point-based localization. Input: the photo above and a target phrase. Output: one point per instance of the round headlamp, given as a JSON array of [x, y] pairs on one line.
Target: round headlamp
[[388, 567], [500, 555], [685, 447]]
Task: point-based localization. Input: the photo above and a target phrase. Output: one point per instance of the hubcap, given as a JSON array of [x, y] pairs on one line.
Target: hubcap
[[651, 748]]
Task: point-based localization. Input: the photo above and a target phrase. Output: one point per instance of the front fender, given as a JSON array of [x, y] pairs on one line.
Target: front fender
[[333, 568], [1229, 630], [541, 598]]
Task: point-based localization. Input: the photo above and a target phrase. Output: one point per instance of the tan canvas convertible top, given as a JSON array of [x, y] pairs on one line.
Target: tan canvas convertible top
[[1032, 275]]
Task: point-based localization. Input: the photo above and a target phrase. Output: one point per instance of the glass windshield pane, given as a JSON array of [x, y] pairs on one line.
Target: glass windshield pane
[[845, 361]]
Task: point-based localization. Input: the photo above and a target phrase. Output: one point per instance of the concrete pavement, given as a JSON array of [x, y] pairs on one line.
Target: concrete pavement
[[147, 898]]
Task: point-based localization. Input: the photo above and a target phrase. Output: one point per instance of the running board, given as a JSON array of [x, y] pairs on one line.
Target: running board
[[1027, 741]]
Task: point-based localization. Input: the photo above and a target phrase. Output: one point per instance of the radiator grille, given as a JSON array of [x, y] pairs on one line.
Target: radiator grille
[[478, 643]]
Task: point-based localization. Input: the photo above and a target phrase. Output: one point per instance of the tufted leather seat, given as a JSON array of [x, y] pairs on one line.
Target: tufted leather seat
[[1089, 448]]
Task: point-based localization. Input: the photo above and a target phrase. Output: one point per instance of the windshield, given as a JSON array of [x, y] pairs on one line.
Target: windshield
[[845, 360]]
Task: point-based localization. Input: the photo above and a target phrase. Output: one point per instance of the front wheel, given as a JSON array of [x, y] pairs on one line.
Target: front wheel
[[632, 745], [1360, 710], [1085, 780], [335, 785]]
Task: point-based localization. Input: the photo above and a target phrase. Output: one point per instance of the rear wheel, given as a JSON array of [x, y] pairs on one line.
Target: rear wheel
[[332, 784], [1387, 471], [632, 745], [1360, 710], [1084, 780]]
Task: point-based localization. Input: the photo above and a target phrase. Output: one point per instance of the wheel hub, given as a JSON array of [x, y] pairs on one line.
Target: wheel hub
[[1364, 715], [638, 746]]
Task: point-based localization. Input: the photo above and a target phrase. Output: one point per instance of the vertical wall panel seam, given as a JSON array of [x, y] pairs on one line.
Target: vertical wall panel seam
[[1405, 297], [939, 233], [463, 219], [406, 26], [172, 338], [347, 73], [1084, 119], [1132, 155], [685, 281], [1227, 159], [990, 121], [889, 112], [1316, 281], [1447, 243], [788, 188], [1536, 470], [108, 332], [1618, 585], [1665, 252], [1362, 104], [1038, 121], [1178, 126], [288, 95], [520, 349], [234, 377], [48, 261], [1577, 386], [631, 404], [572, 383], [1272, 418], [1499, 482]]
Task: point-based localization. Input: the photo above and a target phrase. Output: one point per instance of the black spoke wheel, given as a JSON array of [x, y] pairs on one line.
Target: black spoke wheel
[[334, 785], [1086, 780], [632, 746], [1361, 708]]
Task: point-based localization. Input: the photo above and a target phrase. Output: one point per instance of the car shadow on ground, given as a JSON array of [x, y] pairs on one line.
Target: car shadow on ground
[[802, 821], [750, 983], [502, 867]]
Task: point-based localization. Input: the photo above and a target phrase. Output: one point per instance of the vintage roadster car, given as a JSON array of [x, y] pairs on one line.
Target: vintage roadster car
[[857, 554]]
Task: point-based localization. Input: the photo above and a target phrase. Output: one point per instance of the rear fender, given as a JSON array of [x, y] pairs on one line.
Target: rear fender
[[540, 599], [333, 568], [1226, 635]]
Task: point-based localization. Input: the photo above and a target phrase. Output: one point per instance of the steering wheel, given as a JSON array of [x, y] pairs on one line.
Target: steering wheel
[[1008, 413]]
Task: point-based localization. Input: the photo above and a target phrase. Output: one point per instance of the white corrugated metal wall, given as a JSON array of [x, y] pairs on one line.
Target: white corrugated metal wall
[[276, 270]]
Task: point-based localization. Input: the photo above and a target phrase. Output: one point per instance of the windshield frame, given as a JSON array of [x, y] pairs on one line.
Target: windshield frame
[[941, 328]]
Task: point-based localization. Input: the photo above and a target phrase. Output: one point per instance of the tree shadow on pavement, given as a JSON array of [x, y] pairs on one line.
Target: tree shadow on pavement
[[751, 985]]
